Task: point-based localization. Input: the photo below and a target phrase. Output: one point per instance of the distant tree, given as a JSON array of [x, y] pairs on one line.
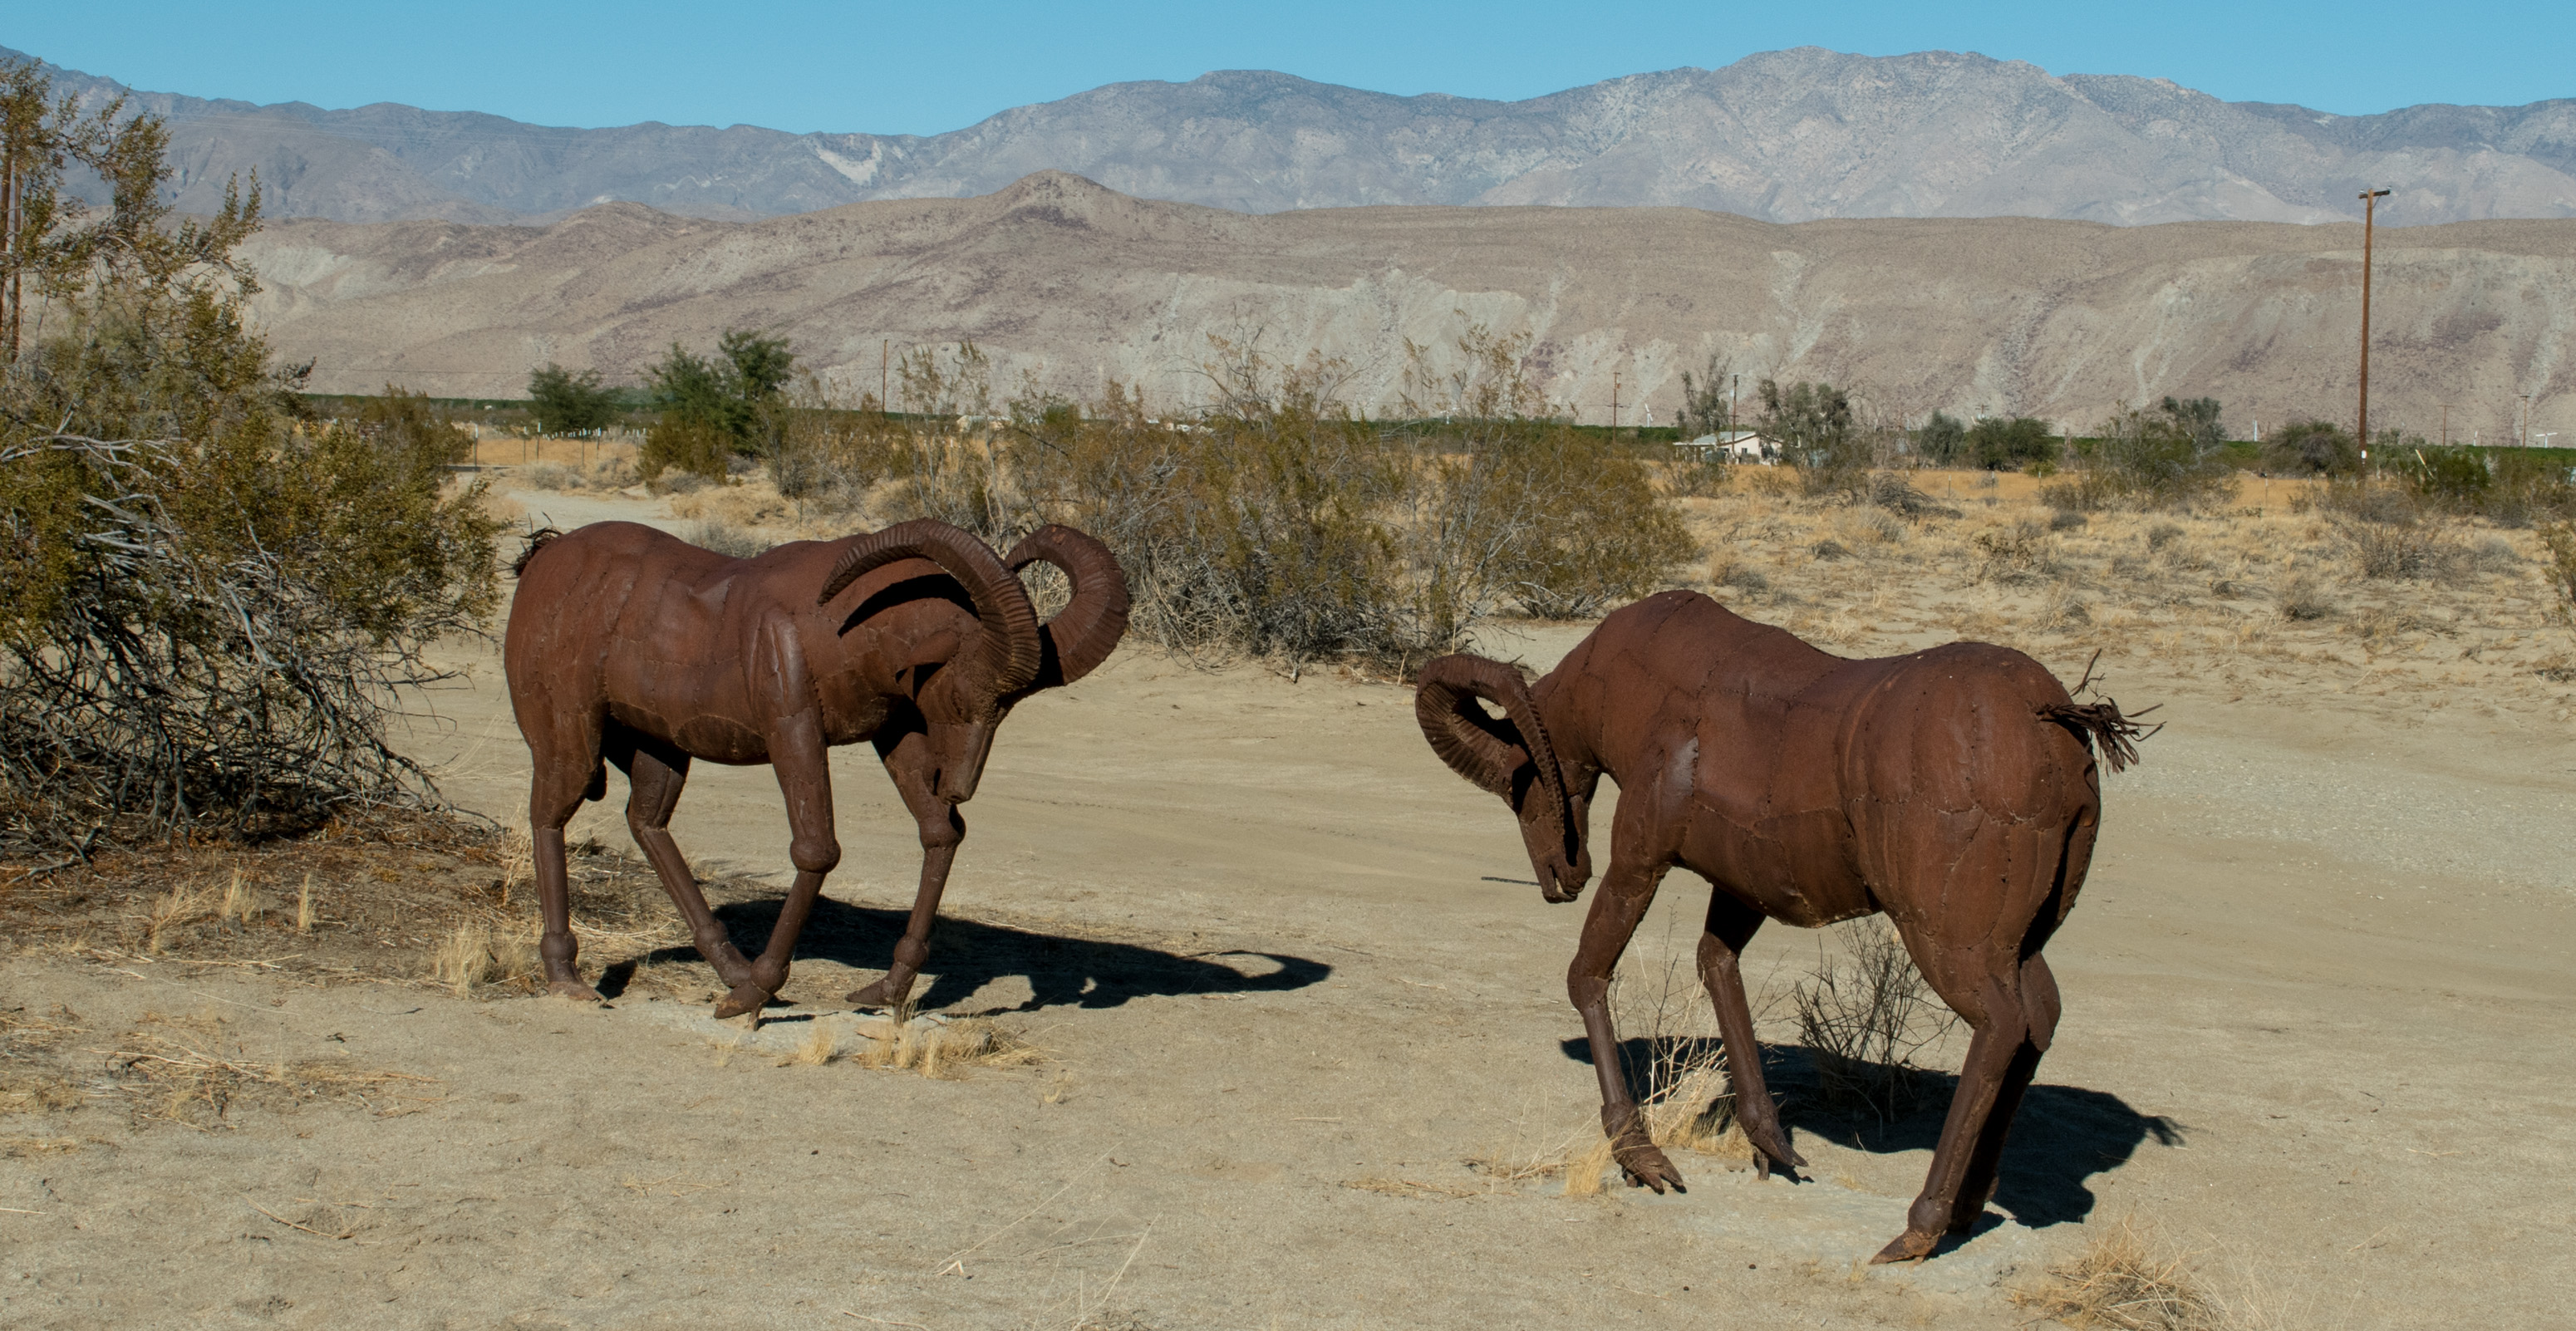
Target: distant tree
[[2312, 448], [1942, 441], [1806, 418], [1704, 408], [52, 242], [2199, 418], [566, 403], [1998, 443], [715, 408]]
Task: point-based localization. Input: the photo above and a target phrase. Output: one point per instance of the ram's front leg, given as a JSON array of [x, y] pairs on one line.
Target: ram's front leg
[[1625, 893], [909, 762], [803, 764]]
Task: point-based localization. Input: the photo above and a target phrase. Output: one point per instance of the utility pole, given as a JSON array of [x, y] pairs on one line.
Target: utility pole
[[2369, 215], [1614, 402], [885, 358], [2446, 425], [2522, 437]]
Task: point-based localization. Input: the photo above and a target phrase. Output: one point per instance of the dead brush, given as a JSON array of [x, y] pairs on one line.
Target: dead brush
[[2399, 551], [178, 1070], [2121, 1280], [2013, 556], [1863, 1017]]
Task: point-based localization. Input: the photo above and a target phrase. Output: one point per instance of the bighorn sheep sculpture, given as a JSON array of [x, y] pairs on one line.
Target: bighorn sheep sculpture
[[629, 646], [1953, 789]]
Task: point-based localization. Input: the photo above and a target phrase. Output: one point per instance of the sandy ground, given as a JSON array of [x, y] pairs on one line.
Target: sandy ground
[[1290, 979]]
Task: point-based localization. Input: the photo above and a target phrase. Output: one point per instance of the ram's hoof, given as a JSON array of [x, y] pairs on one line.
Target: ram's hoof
[[1910, 1246], [746, 997]]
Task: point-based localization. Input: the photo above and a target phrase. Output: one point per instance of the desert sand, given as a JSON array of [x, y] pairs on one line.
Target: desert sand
[[1297, 1003]]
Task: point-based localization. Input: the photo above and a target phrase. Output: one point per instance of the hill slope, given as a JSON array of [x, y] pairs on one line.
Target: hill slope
[[1066, 284]]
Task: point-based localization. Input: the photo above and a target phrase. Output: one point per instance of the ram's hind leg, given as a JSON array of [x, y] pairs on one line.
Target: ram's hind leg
[[1731, 925], [567, 773]]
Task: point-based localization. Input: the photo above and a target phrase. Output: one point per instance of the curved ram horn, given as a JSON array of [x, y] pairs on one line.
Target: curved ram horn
[[1011, 643], [1475, 745], [1082, 634]]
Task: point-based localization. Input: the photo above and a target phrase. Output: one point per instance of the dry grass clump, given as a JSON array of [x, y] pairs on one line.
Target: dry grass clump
[[938, 1048], [1683, 1092], [1863, 1016], [2123, 1281], [475, 954]]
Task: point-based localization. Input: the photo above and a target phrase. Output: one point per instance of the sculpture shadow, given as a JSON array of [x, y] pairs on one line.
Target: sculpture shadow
[[967, 954], [2063, 1136]]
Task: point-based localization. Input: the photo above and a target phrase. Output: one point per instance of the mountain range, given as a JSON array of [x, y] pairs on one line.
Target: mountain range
[[1786, 136], [1067, 285]]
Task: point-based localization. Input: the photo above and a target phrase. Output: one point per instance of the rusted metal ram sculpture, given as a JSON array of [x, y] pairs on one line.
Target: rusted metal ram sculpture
[[1953, 789], [632, 647]]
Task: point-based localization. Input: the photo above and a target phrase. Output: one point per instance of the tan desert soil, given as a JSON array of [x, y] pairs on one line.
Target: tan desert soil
[[1290, 979]]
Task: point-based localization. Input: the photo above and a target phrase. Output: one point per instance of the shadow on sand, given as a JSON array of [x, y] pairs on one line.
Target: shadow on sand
[[2063, 1136], [965, 955]]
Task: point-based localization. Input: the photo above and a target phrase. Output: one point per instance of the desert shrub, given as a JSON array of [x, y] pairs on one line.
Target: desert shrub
[[1863, 1017], [210, 601], [2144, 461], [2302, 598], [548, 476], [2311, 448], [2401, 550], [207, 596], [2508, 486], [2013, 555], [1279, 523], [2559, 539], [692, 448], [2010, 444]]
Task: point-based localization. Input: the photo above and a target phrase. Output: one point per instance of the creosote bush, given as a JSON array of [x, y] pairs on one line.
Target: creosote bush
[[208, 596], [1278, 522]]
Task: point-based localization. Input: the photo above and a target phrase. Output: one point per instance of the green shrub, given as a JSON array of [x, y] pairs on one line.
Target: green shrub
[[1279, 523], [2311, 448], [2141, 460], [208, 597], [2015, 444]]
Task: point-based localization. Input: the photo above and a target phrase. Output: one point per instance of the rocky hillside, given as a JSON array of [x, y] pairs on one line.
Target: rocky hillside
[[1788, 136], [1068, 284]]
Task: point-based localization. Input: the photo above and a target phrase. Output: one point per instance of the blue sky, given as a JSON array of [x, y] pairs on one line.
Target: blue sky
[[923, 68]]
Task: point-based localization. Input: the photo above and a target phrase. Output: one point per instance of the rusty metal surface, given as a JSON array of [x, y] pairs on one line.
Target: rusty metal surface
[[629, 646], [1953, 789]]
